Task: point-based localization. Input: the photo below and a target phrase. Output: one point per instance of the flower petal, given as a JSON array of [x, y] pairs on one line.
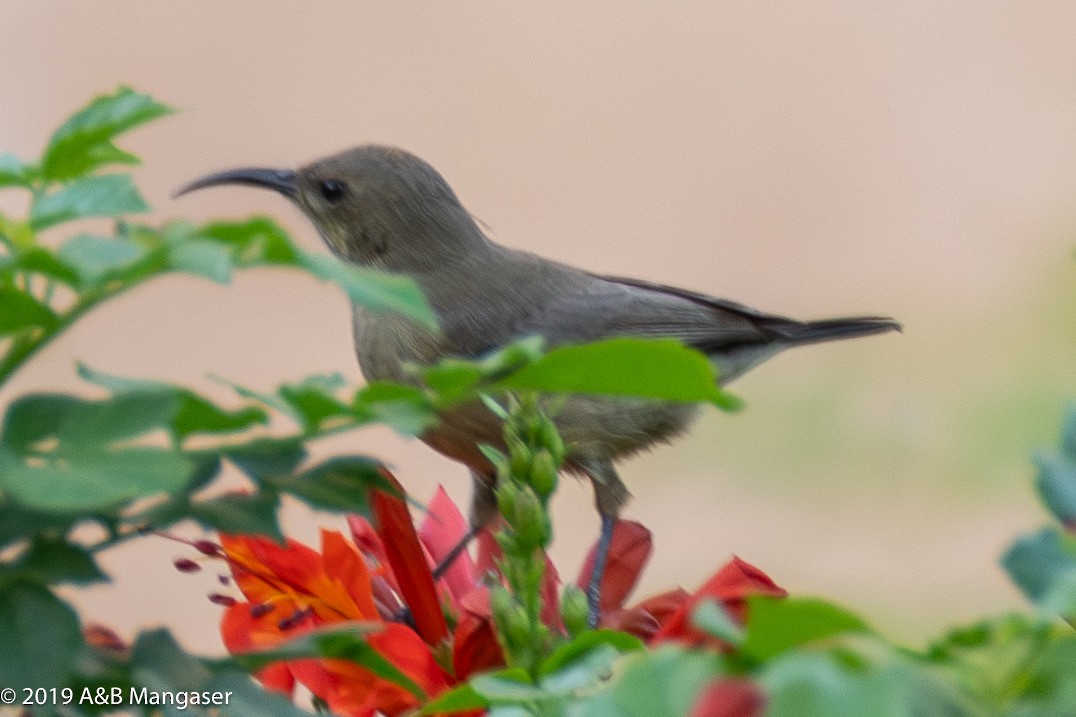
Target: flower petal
[[475, 647], [405, 556], [349, 569], [441, 530], [646, 618], [628, 554], [242, 632], [731, 585], [350, 689]]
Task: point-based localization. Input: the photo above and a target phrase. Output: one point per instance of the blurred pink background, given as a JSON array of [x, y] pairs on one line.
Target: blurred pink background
[[812, 159]]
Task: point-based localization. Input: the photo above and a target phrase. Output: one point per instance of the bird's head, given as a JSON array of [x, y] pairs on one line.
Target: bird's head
[[373, 205]]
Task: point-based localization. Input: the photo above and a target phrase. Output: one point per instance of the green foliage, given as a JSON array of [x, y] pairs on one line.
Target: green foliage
[[1043, 565], [776, 625]]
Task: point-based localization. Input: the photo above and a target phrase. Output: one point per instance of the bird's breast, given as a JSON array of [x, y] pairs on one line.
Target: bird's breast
[[386, 344]]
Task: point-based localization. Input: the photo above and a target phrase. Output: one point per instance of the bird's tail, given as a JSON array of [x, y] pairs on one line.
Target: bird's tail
[[813, 332]]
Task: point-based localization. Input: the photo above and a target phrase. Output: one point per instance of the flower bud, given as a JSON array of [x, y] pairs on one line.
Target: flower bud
[[543, 473], [574, 610], [531, 523], [502, 605], [520, 461], [550, 439], [507, 499], [186, 565], [518, 628], [207, 547]]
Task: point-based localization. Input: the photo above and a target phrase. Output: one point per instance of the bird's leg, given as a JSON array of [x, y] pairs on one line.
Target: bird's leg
[[483, 510], [609, 495], [594, 588]]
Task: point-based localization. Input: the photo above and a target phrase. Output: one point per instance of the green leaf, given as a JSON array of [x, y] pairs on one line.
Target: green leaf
[[96, 258], [256, 241], [662, 683], [1036, 562], [1056, 483], [203, 257], [39, 260], [512, 710], [805, 684], [454, 378], [260, 241], [267, 457], [108, 195], [405, 409], [71, 420], [651, 368], [13, 173], [714, 620], [195, 413], [85, 479], [247, 699], [160, 664], [463, 698], [340, 484], [372, 289], [501, 687], [253, 514], [53, 561], [778, 624], [341, 641], [19, 311], [83, 142], [586, 672], [568, 652], [17, 522], [314, 401], [39, 637]]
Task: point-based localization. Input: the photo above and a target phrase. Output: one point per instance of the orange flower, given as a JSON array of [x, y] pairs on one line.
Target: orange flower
[[294, 589], [381, 578]]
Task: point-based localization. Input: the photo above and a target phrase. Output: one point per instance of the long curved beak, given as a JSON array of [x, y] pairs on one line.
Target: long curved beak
[[279, 180]]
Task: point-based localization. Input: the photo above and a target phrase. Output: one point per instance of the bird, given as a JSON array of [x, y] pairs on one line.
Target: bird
[[385, 208]]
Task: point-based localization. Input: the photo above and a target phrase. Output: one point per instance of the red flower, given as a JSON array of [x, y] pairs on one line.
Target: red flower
[[383, 578], [729, 697], [666, 617]]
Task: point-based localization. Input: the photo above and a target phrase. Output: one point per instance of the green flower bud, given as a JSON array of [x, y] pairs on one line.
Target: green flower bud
[[501, 603], [574, 609], [549, 438], [520, 462], [507, 500], [531, 523], [543, 473], [518, 628]]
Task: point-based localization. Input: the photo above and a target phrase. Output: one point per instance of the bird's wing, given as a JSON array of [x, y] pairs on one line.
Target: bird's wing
[[597, 307], [764, 328]]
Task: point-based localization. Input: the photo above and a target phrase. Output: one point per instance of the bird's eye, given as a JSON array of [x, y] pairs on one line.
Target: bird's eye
[[332, 190]]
